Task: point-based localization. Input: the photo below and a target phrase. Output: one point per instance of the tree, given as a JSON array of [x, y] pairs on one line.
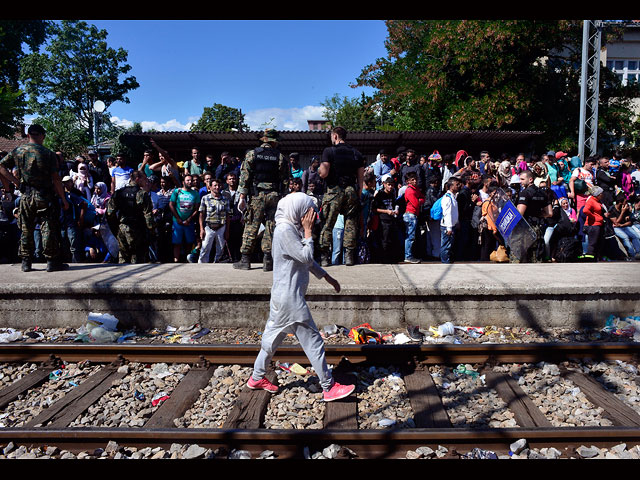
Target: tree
[[79, 69], [499, 74], [13, 35], [464, 74], [63, 132], [220, 118], [351, 113]]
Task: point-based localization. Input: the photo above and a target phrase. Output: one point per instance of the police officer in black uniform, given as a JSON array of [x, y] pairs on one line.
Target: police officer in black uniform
[[534, 205], [342, 168]]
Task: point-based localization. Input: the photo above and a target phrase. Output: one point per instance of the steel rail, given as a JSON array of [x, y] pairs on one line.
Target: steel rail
[[291, 443], [244, 354]]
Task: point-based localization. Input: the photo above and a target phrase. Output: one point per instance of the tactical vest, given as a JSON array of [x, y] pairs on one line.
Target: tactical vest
[[344, 166], [126, 204], [266, 167]]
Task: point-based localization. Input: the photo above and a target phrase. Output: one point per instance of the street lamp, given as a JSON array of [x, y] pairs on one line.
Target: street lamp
[[98, 108]]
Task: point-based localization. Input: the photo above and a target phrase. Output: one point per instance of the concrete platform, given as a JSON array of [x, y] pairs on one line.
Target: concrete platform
[[386, 296]]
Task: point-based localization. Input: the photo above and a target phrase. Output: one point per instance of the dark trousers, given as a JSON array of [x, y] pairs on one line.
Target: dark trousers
[[488, 244], [595, 239], [389, 241], [235, 239]]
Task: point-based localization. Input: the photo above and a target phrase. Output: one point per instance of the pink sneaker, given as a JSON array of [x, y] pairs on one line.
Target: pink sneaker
[[262, 384], [338, 391]]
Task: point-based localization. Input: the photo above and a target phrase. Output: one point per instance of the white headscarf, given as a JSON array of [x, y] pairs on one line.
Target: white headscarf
[[292, 208]]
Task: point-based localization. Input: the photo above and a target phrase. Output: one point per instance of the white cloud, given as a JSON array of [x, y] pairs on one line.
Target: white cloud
[[169, 126], [283, 118], [279, 118]]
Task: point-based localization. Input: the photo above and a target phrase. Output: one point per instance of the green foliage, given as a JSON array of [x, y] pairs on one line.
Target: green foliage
[[495, 74], [78, 69], [355, 114], [12, 110], [64, 133], [477, 74], [13, 35], [220, 118], [615, 120]]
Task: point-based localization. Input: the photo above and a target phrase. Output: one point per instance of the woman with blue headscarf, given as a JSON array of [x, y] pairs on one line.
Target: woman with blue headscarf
[[292, 252]]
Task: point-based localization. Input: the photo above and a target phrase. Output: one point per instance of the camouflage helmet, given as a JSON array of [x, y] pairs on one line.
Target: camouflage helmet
[[270, 135]]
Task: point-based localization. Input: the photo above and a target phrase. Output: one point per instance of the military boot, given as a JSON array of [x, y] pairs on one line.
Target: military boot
[[56, 266], [243, 264], [349, 257], [267, 263], [325, 259], [26, 264]]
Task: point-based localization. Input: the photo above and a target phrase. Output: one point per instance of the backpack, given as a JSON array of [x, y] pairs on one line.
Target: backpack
[[568, 250], [436, 209]]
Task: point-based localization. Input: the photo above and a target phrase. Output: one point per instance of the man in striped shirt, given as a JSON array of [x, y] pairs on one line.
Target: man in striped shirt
[[215, 214]]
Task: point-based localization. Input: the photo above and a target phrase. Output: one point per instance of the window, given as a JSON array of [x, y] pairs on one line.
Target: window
[[628, 71]]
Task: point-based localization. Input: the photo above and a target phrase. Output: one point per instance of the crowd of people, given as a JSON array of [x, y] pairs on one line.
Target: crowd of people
[[402, 207]]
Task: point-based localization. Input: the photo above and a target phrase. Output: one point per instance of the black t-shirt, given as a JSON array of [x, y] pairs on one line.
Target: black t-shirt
[[344, 161], [385, 201], [535, 199]]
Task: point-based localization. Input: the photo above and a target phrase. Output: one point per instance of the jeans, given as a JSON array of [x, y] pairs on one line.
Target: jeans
[[446, 244], [73, 236], [630, 239], [410, 223], [337, 256]]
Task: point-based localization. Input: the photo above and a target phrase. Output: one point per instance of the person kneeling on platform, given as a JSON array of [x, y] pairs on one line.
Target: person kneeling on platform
[[292, 251]]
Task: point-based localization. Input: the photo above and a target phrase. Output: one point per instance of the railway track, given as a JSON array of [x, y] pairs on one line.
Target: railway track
[[244, 427]]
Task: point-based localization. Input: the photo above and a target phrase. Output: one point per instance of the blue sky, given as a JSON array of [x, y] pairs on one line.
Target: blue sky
[[280, 69]]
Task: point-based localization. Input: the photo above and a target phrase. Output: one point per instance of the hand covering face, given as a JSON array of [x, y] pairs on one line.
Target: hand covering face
[[292, 208]]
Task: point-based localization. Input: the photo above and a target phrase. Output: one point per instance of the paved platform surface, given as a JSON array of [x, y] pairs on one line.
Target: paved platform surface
[[387, 296]]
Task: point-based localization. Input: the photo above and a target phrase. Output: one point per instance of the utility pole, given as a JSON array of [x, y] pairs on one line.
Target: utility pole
[[589, 88]]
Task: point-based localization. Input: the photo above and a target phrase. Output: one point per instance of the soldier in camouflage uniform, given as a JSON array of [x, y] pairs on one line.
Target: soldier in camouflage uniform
[[39, 183], [342, 168], [264, 178], [130, 217]]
